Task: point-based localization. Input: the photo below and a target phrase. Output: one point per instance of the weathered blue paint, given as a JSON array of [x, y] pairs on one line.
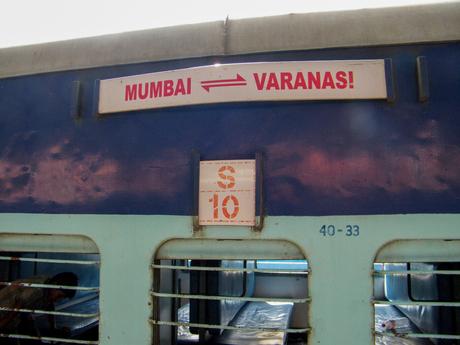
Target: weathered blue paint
[[321, 158]]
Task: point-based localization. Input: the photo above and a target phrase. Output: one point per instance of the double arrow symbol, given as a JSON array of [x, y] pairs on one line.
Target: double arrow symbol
[[238, 81]]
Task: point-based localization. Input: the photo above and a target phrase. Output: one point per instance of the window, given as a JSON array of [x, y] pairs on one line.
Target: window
[[48, 296], [417, 293], [229, 298]]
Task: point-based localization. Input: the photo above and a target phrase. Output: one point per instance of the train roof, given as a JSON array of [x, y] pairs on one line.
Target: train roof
[[355, 28]]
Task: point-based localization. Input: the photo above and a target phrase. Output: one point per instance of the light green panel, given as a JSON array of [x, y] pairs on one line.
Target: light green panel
[[340, 284], [420, 251], [208, 249], [47, 243]]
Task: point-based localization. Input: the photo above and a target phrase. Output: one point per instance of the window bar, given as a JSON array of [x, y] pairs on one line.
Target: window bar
[[419, 303], [418, 335], [231, 298], [224, 269], [418, 272], [175, 304], [50, 261], [202, 307], [48, 312], [233, 328], [49, 286], [61, 340], [156, 305]]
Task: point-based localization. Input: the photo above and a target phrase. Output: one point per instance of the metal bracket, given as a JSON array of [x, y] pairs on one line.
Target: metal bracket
[[422, 79], [259, 192], [95, 105], [196, 189], [76, 99], [390, 81]]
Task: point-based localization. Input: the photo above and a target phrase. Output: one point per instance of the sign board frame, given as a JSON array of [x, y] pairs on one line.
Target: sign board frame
[[259, 190], [246, 82]]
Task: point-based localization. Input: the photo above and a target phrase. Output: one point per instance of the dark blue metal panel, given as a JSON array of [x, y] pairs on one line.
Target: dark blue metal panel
[[340, 157], [75, 101], [422, 78], [389, 76]]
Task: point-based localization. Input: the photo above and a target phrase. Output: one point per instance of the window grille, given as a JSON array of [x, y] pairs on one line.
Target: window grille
[[216, 301], [417, 302], [30, 313]]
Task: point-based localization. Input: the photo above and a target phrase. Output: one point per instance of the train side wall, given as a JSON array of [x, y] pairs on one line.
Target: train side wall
[[320, 157]]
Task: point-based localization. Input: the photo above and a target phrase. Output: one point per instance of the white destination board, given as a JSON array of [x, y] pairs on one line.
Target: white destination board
[[266, 81], [227, 192]]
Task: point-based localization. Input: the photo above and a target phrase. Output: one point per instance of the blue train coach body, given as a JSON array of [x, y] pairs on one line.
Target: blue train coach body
[[321, 157]]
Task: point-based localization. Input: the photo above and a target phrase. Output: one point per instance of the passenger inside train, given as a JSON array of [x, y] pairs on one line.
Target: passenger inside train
[[49, 298]]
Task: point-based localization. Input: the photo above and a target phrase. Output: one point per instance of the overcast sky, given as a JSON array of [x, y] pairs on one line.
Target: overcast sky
[[35, 21]]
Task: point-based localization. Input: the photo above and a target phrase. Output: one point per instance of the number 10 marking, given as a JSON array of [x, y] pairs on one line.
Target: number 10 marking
[[228, 215]]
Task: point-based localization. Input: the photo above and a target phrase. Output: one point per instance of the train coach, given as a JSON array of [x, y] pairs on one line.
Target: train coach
[[283, 180]]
